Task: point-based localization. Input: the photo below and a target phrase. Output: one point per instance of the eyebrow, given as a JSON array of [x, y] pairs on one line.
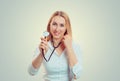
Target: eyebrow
[[56, 23]]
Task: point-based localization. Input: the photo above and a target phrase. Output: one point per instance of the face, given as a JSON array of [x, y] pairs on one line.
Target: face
[[57, 27]]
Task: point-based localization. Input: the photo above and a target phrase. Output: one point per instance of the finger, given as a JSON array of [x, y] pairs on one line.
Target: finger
[[46, 38], [42, 46], [63, 39], [44, 42], [43, 39]]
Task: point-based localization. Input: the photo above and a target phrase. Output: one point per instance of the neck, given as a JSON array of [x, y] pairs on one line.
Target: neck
[[56, 41]]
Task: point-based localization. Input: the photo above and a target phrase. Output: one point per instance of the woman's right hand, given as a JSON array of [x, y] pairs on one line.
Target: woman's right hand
[[43, 45]]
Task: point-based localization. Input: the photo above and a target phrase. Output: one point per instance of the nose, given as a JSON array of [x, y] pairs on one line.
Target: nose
[[57, 28]]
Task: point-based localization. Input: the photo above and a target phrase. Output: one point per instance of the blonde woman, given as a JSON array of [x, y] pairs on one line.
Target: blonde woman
[[59, 54]]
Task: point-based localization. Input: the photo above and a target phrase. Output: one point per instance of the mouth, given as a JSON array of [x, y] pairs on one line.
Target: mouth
[[56, 33]]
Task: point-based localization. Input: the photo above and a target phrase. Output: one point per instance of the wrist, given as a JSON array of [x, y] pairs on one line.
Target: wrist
[[69, 47], [69, 50]]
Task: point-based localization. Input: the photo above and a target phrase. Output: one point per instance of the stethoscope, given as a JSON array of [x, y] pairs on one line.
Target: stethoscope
[[45, 34]]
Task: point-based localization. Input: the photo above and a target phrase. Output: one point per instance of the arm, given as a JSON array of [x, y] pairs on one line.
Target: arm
[[36, 63], [74, 59], [73, 55], [38, 59]]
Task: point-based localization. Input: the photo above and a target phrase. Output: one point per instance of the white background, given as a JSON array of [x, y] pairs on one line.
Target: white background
[[95, 25]]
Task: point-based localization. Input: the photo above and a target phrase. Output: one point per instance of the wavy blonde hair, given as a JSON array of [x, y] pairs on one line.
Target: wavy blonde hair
[[67, 23]]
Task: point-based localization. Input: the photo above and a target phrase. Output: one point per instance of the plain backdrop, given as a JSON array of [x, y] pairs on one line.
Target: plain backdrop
[[95, 26]]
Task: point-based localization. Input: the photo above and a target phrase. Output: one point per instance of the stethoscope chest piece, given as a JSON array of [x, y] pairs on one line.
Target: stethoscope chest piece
[[45, 34]]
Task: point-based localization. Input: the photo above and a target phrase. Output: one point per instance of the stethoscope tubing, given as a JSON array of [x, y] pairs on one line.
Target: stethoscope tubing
[[51, 53]]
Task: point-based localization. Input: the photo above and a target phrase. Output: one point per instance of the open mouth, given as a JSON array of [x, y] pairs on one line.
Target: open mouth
[[56, 34]]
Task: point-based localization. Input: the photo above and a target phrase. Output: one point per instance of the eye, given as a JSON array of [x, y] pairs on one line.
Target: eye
[[54, 23], [61, 25]]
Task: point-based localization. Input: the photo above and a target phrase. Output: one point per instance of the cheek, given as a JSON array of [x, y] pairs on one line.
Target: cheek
[[51, 29], [64, 30]]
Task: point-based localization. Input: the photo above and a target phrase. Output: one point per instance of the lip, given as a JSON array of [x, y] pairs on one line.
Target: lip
[[56, 33]]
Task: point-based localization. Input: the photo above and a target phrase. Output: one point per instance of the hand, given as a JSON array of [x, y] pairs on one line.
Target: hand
[[67, 40], [43, 45]]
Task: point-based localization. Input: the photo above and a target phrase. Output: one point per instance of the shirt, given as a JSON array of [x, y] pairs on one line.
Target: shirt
[[57, 68]]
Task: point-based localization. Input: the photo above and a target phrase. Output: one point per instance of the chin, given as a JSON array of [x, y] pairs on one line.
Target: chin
[[56, 37]]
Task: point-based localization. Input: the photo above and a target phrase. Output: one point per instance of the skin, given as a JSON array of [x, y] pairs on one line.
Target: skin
[[57, 30]]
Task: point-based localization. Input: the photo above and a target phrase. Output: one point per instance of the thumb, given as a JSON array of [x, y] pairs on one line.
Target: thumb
[[46, 39]]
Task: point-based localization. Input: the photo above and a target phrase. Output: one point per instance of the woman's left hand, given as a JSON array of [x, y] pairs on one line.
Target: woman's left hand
[[67, 40]]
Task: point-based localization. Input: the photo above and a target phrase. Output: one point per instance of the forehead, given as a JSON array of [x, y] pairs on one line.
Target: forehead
[[58, 19]]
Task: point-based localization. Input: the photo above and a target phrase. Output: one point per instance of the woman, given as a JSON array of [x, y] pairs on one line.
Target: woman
[[60, 56]]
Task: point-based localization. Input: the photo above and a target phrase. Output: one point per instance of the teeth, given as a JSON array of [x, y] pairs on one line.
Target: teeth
[[56, 33]]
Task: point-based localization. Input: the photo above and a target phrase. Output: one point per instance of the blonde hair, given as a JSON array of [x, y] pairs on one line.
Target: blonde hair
[[67, 23]]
